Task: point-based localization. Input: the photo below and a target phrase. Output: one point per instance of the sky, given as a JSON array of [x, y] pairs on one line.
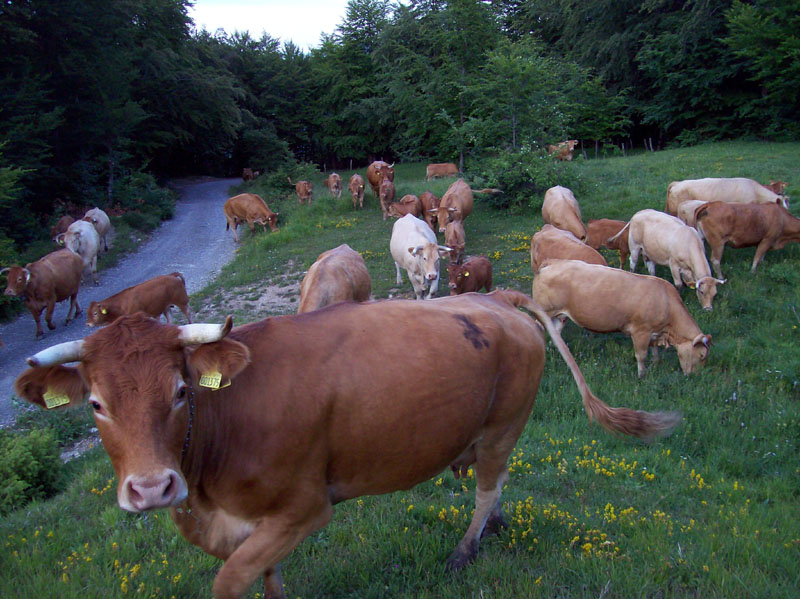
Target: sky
[[302, 21]]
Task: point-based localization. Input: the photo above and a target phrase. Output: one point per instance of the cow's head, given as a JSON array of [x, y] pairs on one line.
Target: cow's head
[[427, 256], [445, 215], [139, 377], [692, 354], [17, 278], [457, 275], [98, 313], [271, 221], [706, 288]]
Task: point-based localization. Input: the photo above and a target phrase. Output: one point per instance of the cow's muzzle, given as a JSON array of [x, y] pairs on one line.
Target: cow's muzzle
[[140, 493]]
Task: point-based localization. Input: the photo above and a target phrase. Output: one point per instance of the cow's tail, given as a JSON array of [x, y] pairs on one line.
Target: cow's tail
[[636, 423], [290, 180], [621, 231], [489, 190]]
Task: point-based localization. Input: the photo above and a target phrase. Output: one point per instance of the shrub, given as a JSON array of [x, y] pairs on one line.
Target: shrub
[[29, 468], [139, 194]]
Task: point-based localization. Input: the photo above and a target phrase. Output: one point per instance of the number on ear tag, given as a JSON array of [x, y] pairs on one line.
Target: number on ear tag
[[53, 399], [211, 380]]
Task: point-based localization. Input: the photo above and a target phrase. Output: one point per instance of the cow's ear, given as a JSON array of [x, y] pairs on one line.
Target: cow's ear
[[52, 386], [225, 357]]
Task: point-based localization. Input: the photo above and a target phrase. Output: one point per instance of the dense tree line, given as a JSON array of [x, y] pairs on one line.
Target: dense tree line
[[95, 93]]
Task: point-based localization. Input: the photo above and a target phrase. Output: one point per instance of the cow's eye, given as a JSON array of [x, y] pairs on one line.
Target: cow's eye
[[181, 393], [96, 405]]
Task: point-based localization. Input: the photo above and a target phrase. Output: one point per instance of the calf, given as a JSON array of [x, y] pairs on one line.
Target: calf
[[61, 226], [737, 190], [338, 275], [552, 243], [560, 209], [386, 196], [154, 297], [51, 279], [249, 208], [599, 233], [430, 204], [456, 239], [441, 169], [413, 247], [606, 300], [768, 226], [778, 187], [356, 187], [470, 276], [82, 238], [409, 204], [304, 190], [334, 184], [101, 223]]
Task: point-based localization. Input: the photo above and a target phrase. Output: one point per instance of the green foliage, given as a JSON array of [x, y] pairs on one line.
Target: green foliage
[[29, 468]]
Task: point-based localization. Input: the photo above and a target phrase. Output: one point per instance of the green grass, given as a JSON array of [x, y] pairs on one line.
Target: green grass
[[711, 511]]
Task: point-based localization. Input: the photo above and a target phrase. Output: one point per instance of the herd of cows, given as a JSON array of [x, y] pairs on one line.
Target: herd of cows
[[251, 434]]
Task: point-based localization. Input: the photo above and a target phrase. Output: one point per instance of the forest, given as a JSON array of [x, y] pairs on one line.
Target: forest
[[101, 102]]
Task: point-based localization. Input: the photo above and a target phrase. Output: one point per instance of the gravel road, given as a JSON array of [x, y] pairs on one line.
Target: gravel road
[[193, 243]]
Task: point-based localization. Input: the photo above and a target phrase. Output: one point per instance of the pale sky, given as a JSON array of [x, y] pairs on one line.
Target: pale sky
[[302, 21]]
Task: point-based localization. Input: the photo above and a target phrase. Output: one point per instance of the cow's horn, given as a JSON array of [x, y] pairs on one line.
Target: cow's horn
[[70, 351], [5, 270], [196, 334]]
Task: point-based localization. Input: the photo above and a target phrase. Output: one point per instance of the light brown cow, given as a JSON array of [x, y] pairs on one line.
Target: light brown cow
[[560, 209], [338, 275], [249, 208], [251, 448], [356, 188], [49, 280], [606, 300], [304, 190], [441, 169], [408, 204], [778, 187], [552, 243], [429, 205], [456, 239], [667, 240], [737, 190], [334, 184], [768, 226], [563, 150], [101, 223], [61, 226], [247, 174], [686, 212], [599, 233], [456, 204], [386, 196], [82, 238], [474, 274], [377, 172], [154, 297]]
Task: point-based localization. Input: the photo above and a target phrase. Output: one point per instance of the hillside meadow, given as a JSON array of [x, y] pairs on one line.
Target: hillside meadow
[[710, 511]]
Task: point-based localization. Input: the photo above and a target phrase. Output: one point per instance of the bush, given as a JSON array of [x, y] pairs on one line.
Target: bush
[[30, 468], [139, 194]]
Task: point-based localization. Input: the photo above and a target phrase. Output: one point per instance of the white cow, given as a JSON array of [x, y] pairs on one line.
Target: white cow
[[686, 212], [100, 221], [414, 248], [82, 238], [736, 190]]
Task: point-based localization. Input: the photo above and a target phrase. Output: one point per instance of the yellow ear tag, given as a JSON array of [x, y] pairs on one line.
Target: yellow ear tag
[[213, 380], [103, 311], [466, 274], [53, 399]]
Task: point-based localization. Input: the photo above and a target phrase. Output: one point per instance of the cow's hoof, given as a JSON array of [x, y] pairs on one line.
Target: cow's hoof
[[462, 556], [51, 326], [494, 526]]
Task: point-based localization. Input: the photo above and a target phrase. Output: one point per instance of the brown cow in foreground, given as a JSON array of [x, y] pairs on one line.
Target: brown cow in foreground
[[563, 150], [560, 209], [408, 204], [768, 226], [736, 190], [377, 172], [607, 300], [441, 169], [154, 297], [334, 184], [356, 188], [456, 204], [252, 435], [249, 208], [474, 274], [51, 279], [338, 275], [552, 243], [304, 190], [61, 226], [599, 233], [386, 196]]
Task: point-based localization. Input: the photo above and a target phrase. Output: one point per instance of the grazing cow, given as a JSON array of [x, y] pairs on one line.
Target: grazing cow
[[82, 238], [560, 209], [247, 174], [563, 150], [61, 226], [386, 196], [456, 204], [338, 275], [686, 212], [154, 297], [429, 205], [768, 226], [456, 239], [305, 191], [667, 240], [737, 190], [470, 276], [51, 279], [252, 435], [413, 247], [441, 169], [101, 222], [552, 243], [356, 188], [377, 172], [408, 204], [778, 187], [606, 300], [249, 208], [334, 184], [599, 233]]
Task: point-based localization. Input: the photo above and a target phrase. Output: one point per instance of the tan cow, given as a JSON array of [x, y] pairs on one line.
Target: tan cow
[[560, 209], [607, 300], [61, 226], [338, 275], [42, 284], [686, 212], [356, 187], [408, 204], [82, 238], [377, 172], [552, 243], [737, 190], [778, 187], [441, 169], [470, 276], [667, 240], [334, 184], [599, 233], [250, 436], [768, 226], [430, 203], [456, 239], [563, 150], [386, 196], [101, 223], [304, 190], [456, 204], [414, 249], [249, 208], [154, 297]]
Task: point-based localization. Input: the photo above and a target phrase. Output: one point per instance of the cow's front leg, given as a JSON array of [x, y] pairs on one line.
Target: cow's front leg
[[676, 275]]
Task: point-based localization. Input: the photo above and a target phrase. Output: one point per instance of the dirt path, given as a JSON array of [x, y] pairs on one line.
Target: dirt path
[[193, 243]]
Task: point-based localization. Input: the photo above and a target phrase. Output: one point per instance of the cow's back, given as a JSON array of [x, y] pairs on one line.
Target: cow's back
[[337, 275], [739, 225], [561, 209], [552, 243], [59, 271]]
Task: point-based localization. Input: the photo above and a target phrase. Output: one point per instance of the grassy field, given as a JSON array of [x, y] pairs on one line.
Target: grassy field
[[711, 511]]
